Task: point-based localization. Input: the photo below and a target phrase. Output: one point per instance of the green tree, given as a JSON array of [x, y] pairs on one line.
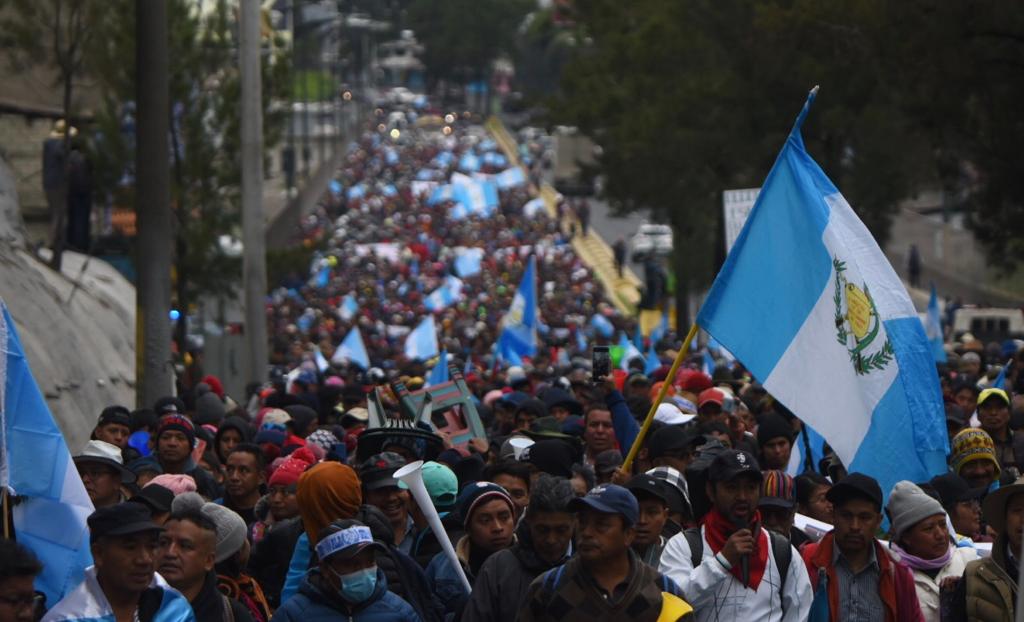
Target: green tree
[[205, 135], [463, 37], [690, 98]]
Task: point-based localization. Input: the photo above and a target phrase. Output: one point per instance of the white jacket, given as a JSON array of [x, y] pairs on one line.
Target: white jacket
[[715, 594], [88, 603], [927, 588]]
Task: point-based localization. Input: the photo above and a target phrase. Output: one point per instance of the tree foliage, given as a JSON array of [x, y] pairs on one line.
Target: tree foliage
[[463, 37], [204, 138], [693, 97]]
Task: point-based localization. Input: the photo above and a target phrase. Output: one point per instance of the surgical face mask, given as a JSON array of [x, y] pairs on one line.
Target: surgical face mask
[[358, 586]]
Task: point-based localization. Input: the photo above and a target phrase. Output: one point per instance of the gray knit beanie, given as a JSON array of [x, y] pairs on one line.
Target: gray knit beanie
[[909, 505], [231, 528]]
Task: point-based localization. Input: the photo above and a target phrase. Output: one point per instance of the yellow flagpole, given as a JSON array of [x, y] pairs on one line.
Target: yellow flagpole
[[639, 440]]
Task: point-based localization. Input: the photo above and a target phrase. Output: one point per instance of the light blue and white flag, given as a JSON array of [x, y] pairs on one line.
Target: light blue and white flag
[[519, 326], [36, 466], [638, 338], [357, 191], [469, 163], [798, 462], [602, 325], [321, 361], [581, 341], [467, 262], [933, 327], [445, 296], [439, 372], [348, 307], [533, 207], [476, 196], [443, 159], [441, 193], [629, 352], [421, 343], [810, 305], [352, 350], [652, 361], [335, 187], [510, 178], [1000, 381], [708, 363], [661, 329]]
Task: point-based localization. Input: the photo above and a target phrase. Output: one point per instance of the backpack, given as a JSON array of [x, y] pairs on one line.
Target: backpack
[[782, 551]]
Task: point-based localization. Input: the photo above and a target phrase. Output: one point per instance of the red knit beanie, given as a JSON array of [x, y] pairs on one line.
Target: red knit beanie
[[288, 473]]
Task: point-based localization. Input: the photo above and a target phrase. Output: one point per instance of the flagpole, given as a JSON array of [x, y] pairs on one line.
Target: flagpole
[[6, 502], [639, 440]]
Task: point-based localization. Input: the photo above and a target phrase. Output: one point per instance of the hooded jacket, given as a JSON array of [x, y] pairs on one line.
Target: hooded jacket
[[500, 589], [270, 557], [316, 602], [232, 423], [405, 577]]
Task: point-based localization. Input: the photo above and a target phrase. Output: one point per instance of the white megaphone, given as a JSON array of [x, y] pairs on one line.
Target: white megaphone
[[412, 476], [519, 445]]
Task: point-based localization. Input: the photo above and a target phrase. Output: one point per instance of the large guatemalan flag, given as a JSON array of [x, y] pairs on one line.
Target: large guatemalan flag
[[808, 302], [36, 467]]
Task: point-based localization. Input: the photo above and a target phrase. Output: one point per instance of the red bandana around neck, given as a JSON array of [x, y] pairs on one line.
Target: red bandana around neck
[[717, 530]]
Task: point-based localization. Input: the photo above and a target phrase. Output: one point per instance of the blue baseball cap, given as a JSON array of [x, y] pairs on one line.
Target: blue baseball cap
[[609, 499]]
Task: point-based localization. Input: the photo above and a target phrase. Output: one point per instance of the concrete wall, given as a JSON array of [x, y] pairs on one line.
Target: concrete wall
[[77, 327]]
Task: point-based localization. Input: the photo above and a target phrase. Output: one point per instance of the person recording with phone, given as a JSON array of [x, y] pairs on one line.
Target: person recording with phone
[[731, 568]]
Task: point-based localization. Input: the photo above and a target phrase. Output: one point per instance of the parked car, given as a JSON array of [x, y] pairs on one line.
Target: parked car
[[651, 240]]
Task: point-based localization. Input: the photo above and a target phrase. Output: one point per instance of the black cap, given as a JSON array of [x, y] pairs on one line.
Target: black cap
[[953, 489], [669, 439], [115, 414], [855, 485], [121, 520], [155, 497], [379, 470], [733, 463], [651, 485], [607, 461]]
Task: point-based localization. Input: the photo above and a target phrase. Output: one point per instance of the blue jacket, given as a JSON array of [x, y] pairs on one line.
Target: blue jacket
[[315, 604], [623, 422], [445, 582]]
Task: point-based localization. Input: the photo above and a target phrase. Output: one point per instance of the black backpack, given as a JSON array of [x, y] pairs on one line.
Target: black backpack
[[782, 551]]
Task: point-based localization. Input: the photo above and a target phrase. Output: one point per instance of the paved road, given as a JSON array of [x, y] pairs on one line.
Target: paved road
[[612, 228]]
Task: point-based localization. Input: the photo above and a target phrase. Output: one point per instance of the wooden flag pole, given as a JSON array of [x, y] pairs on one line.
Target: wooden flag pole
[[639, 440], [6, 509]]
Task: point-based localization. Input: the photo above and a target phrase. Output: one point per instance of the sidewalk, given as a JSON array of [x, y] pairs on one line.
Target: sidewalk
[[624, 291]]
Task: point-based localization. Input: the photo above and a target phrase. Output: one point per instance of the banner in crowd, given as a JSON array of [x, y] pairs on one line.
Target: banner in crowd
[[808, 302], [36, 466]]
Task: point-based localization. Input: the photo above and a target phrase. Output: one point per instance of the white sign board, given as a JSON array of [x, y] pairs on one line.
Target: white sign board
[[736, 206]]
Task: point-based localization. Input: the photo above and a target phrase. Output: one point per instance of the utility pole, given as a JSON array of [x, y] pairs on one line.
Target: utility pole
[[254, 260], [153, 370]]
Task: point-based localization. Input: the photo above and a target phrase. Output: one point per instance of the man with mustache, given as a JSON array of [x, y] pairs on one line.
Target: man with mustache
[[731, 568], [851, 570]]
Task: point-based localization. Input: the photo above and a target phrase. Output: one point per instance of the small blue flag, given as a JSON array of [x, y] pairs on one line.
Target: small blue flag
[[421, 343], [439, 373], [352, 350], [519, 326]]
